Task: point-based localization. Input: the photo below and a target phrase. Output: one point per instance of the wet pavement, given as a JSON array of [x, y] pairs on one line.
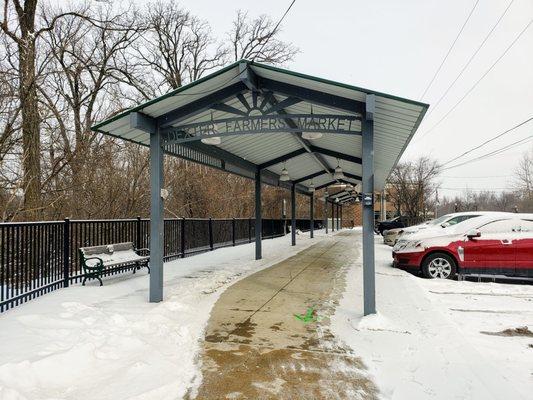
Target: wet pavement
[[269, 335]]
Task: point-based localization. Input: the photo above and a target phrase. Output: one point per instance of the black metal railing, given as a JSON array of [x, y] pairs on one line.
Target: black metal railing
[[39, 257]]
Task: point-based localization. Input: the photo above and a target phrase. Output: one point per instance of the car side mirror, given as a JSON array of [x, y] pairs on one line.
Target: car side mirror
[[473, 233], [445, 224]]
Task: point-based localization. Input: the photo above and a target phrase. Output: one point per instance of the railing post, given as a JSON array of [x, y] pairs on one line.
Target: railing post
[[138, 235], [249, 230], [182, 237], [233, 231], [210, 226], [66, 252]]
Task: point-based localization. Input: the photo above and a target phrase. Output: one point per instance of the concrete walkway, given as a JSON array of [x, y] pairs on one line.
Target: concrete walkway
[[256, 348]]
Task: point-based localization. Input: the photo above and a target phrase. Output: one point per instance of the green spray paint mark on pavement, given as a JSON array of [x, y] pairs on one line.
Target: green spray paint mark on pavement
[[309, 316]]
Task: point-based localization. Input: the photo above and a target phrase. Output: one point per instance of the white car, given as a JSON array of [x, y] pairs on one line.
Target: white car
[[435, 226]]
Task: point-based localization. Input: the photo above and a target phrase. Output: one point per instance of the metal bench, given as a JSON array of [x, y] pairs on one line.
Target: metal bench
[[97, 260]]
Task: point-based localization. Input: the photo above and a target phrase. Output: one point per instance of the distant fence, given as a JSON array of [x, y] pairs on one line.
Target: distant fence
[[39, 257]]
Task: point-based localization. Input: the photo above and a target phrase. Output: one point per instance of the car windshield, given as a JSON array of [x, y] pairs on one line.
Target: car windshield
[[439, 220]]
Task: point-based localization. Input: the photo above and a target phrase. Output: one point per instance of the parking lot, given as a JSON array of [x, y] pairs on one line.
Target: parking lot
[[443, 339]]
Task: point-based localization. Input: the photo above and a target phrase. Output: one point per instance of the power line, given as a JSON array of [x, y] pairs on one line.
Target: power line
[[476, 177], [475, 189], [493, 153], [488, 141], [449, 50], [434, 106], [480, 79], [274, 30]]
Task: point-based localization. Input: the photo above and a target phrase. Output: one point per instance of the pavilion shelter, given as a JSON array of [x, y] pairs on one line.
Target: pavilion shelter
[[280, 128]]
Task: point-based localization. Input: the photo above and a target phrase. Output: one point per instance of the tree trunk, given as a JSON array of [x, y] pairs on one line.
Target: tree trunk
[[31, 143]]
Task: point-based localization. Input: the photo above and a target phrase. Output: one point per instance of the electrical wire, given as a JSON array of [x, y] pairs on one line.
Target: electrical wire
[[480, 79], [476, 177], [274, 30], [488, 141], [492, 153], [449, 50], [435, 105]]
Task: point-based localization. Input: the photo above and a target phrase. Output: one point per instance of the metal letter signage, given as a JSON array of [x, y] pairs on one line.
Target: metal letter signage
[[324, 123]]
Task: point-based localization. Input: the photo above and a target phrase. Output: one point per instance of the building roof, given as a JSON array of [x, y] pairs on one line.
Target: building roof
[[247, 88]]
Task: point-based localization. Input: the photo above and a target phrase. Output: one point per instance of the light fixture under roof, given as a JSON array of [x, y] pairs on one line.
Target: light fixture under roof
[[312, 187], [338, 174], [313, 123], [284, 176], [212, 140]]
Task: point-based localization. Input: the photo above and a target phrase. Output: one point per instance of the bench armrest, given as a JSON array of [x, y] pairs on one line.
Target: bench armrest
[[96, 266], [141, 251]]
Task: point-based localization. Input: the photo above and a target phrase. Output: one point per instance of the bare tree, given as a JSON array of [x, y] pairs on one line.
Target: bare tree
[[412, 186], [258, 39], [177, 46], [524, 174], [21, 31]]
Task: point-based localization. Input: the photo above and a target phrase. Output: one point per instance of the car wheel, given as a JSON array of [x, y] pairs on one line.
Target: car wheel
[[439, 266]]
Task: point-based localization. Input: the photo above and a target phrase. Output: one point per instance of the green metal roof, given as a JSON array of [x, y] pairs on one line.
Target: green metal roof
[[395, 121]]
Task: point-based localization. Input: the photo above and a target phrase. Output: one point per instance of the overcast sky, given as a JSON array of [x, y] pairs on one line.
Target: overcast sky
[[396, 47]]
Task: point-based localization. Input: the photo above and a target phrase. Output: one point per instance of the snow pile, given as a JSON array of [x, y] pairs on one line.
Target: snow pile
[[110, 343], [427, 340]]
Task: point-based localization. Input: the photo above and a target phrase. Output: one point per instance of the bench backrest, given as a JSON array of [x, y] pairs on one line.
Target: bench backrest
[[107, 249]]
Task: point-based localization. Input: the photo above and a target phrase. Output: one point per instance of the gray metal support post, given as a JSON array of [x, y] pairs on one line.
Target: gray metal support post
[[258, 217], [312, 215], [156, 218], [326, 213], [337, 219], [332, 217], [293, 214], [369, 278], [341, 216]]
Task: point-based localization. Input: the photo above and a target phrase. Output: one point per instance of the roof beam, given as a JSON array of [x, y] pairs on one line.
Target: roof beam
[[289, 101], [200, 105], [267, 177], [332, 183], [352, 176], [313, 96], [247, 76], [143, 122], [229, 109], [311, 176], [282, 158], [336, 154]]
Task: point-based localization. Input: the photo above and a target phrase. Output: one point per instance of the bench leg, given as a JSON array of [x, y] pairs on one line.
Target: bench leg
[[101, 283], [83, 282]]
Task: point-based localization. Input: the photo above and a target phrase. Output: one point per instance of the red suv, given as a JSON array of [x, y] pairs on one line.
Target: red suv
[[495, 245]]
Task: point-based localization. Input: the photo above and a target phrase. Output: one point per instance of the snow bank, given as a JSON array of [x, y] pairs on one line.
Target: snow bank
[[427, 341], [110, 343]]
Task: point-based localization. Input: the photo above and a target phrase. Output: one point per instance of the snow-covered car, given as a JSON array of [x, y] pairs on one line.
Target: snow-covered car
[[389, 236], [493, 244], [435, 226]]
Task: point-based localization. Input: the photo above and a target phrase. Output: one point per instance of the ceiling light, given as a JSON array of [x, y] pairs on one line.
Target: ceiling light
[[337, 200], [214, 131], [312, 187], [311, 135], [338, 172], [211, 140], [284, 176]]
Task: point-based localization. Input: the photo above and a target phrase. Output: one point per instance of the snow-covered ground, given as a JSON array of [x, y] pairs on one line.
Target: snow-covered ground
[[426, 341], [110, 343]]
